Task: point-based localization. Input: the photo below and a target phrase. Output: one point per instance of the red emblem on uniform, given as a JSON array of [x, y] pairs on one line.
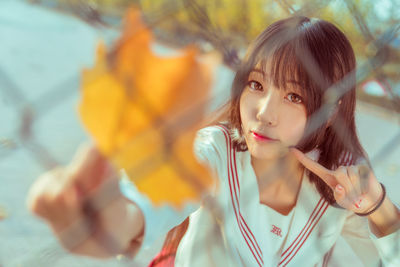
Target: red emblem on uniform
[[276, 230]]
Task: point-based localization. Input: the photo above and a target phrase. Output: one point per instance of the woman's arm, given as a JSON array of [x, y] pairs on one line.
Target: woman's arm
[[356, 189], [120, 232], [385, 220], [95, 211], [83, 205], [371, 249]]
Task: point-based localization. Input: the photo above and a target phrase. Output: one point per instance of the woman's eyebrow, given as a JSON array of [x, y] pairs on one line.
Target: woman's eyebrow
[[296, 86], [258, 71]]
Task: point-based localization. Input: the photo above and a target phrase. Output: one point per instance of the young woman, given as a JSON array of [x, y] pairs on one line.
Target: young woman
[[291, 175]]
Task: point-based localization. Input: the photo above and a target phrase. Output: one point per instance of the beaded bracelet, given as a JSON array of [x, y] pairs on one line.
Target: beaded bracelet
[[378, 205]]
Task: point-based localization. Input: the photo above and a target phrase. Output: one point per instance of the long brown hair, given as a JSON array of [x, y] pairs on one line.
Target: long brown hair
[[320, 58], [317, 55]]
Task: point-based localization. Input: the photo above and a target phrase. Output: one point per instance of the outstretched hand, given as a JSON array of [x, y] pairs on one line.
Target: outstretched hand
[[81, 201], [355, 187]]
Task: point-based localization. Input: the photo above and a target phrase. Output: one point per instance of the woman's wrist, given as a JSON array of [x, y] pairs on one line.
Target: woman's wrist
[[385, 220], [376, 204]]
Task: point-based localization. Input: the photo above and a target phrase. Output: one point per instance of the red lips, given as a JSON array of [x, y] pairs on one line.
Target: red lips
[[260, 137]]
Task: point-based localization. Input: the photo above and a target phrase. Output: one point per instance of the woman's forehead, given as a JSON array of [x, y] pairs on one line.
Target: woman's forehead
[[263, 69]]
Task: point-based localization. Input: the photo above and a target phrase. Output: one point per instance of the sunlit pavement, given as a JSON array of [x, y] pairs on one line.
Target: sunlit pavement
[[41, 55]]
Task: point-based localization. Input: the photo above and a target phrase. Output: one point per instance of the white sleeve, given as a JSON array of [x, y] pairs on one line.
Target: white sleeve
[[372, 251], [210, 149], [159, 220]]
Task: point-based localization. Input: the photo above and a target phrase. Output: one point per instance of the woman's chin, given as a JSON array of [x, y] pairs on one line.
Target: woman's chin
[[269, 153]]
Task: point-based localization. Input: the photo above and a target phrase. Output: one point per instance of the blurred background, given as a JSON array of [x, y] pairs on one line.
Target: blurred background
[[45, 44]]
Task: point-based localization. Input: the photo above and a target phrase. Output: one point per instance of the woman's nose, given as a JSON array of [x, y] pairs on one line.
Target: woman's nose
[[268, 109]]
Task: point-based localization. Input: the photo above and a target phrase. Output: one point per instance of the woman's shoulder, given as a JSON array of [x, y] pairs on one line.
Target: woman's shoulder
[[212, 143], [217, 136], [218, 131]]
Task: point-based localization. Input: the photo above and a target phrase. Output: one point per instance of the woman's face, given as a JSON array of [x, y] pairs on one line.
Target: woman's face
[[273, 119]]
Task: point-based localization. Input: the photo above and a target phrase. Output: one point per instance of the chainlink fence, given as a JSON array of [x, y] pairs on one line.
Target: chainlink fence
[[383, 55]]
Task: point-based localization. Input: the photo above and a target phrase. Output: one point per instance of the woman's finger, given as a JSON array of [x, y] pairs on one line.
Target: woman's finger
[[354, 177], [88, 168], [364, 172], [339, 193], [322, 172], [343, 179]]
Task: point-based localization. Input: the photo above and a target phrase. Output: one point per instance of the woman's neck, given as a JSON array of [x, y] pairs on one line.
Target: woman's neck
[[281, 170], [278, 181]]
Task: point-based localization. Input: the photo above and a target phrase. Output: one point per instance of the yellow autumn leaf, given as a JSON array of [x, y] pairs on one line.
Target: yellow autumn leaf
[[143, 110]]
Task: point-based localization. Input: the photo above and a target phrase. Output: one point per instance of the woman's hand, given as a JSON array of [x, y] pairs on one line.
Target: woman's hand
[[59, 194], [355, 187], [84, 207]]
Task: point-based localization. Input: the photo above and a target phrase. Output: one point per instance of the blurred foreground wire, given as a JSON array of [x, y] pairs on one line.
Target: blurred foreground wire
[[208, 32]]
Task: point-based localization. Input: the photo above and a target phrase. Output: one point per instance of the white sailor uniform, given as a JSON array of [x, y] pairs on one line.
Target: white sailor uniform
[[233, 228]]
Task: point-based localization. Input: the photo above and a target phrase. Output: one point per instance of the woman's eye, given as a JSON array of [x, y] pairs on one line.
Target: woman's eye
[[294, 98], [254, 85]]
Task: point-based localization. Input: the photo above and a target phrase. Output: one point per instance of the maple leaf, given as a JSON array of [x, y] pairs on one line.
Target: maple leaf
[[143, 110]]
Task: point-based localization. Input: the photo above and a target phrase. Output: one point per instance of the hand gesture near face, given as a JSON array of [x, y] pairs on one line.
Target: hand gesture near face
[[355, 187]]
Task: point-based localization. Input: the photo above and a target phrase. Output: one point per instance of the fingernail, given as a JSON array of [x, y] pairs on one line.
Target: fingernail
[[358, 203], [339, 188]]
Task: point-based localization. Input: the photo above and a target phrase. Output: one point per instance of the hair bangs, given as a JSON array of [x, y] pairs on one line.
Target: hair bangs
[[280, 61]]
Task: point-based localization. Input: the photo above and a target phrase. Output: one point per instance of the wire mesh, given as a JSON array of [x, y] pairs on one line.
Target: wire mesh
[[31, 111]]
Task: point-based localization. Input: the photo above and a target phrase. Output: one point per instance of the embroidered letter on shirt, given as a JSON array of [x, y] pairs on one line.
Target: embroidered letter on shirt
[[276, 230]]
